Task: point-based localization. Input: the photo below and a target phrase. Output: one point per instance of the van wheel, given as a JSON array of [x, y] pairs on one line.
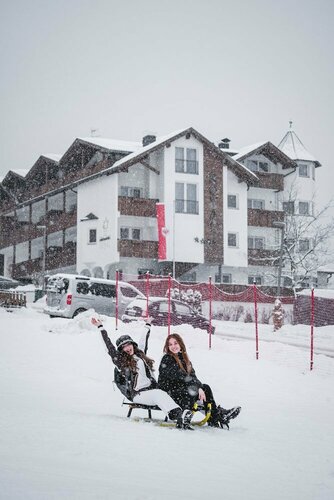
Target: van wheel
[[78, 311]]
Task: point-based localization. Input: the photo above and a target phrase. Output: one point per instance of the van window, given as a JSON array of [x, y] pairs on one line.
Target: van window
[[103, 289], [97, 289], [82, 287], [128, 292], [58, 284]]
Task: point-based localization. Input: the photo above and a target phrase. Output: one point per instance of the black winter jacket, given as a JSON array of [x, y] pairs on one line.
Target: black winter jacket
[[125, 378], [172, 379]]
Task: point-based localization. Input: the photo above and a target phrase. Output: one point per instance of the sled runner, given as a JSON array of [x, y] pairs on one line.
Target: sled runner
[[197, 407]]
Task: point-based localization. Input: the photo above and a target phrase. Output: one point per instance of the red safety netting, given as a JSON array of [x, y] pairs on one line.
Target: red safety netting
[[250, 305]]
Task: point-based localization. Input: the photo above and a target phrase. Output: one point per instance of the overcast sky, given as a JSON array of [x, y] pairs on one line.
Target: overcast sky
[[239, 69]]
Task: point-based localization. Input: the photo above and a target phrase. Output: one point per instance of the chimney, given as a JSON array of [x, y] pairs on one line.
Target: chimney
[[224, 144], [148, 139]]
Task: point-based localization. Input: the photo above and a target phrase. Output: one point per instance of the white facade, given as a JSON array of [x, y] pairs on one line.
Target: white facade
[[235, 221], [100, 198]]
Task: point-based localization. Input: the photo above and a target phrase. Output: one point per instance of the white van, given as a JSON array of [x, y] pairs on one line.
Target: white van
[[68, 295]]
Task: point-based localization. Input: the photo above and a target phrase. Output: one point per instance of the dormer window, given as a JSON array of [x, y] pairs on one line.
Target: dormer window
[[258, 166]]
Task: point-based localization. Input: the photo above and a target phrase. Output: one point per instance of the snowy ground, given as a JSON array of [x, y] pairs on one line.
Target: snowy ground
[[64, 435]]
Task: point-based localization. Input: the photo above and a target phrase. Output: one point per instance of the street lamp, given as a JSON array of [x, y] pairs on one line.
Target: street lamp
[[44, 247], [281, 226]]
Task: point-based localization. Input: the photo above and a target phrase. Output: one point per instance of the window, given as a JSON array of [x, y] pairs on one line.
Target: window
[[92, 236], [304, 245], [131, 192], [304, 208], [127, 292], [186, 160], [37, 248], [232, 240], [182, 309], [136, 234], [21, 252], [289, 207], [189, 277], [142, 271], [224, 278], [256, 279], [304, 171], [55, 240], [129, 233], [232, 201], [255, 204], [70, 201], [71, 234], [186, 198], [258, 166], [255, 242], [56, 203], [22, 214], [37, 211]]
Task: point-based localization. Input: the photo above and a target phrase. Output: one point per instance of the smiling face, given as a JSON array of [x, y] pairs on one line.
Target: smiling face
[[128, 348], [174, 346]]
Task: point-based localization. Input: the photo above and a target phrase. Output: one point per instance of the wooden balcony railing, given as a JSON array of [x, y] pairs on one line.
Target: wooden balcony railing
[[262, 257], [141, 207], [271, 181], [264, 218], [134, 248]]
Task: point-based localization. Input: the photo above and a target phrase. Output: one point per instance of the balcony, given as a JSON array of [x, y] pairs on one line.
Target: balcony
[[264, 218], [270, 181], [56, 257], [138, 248], [262, 257], [140, 207]]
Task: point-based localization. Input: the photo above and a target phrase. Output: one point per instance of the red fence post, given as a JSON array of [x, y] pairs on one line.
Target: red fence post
[[147, 291], [256, 322], [116, 311], [210, 310], [312, 327], [169, 301]]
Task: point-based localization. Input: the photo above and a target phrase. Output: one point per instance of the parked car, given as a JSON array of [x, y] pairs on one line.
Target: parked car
[[68, 295], [180, 313], [6, 283]]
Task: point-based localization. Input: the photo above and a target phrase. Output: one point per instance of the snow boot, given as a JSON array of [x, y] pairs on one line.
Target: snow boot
[[224, 416], [183, 419]]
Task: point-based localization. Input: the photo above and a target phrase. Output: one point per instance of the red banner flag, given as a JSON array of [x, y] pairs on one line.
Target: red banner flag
[[162, 231]]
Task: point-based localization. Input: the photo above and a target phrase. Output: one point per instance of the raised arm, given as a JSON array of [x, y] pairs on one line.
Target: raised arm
[[112, 351], [143, 342]]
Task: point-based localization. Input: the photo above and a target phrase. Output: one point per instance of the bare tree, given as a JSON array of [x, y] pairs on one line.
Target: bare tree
[[306, 244]]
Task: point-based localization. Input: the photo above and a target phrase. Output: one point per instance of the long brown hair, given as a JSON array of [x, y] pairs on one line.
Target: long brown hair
[[128, 361], [184, 353]]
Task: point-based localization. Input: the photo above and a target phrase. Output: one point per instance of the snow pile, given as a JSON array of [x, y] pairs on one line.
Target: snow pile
[[64, 433]]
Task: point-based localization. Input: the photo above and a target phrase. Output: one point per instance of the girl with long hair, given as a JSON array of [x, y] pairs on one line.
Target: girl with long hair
[[134, 376], [177, 377]]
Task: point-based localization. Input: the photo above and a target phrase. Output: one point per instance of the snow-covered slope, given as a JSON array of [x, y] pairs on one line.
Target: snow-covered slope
[[64, 434]]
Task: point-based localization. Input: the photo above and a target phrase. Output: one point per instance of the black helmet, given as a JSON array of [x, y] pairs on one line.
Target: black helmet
[[124, 339]]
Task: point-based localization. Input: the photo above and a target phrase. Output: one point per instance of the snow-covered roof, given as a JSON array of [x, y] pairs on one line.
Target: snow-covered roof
[[112, 144], [144, 149], [162, 140], [21, 171], [329, 268], [325, 293], [293, 147], [52, 156], [248, 149]]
